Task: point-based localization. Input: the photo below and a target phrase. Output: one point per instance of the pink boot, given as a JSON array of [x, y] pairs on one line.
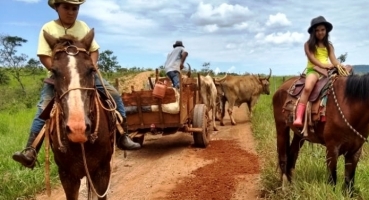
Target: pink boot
[[300, 111]]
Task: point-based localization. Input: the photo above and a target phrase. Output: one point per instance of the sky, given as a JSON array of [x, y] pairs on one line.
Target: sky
[[233, 36]]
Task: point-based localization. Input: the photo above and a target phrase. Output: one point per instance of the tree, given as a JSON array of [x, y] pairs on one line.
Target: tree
[[342, 57], [108, 63], [205, 67], [4, 78], [34, 66], [9, 57]]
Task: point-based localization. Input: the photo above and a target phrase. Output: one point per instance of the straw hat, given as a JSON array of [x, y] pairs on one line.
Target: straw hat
[[75, 2], [318, 21]]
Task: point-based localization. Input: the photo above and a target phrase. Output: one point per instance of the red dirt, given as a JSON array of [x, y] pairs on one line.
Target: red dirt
[[217, 180]]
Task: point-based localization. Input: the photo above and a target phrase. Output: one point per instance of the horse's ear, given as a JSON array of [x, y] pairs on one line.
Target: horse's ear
[[87, 40], [50, 39]]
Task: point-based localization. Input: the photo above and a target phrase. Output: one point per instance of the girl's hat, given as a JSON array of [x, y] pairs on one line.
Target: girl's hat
[[318, 21], [75, 2]]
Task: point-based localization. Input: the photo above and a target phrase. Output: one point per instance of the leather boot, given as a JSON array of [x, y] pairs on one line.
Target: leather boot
[[300, 111], [124, 141], [127, 143], [27, 157]]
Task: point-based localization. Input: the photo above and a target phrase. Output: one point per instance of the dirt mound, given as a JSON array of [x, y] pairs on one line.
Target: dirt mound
[[219, 179], [138, 81]]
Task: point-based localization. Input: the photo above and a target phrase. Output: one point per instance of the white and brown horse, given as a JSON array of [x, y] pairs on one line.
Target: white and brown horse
[[81, 130]]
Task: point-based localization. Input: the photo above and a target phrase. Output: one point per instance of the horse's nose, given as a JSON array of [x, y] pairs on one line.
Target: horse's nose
[[76, 132]]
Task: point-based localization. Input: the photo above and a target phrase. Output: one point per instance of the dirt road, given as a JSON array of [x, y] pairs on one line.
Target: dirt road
[[168, 167]]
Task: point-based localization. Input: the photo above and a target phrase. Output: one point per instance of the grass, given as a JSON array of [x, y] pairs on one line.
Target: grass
[[18, 181], [310, 176]]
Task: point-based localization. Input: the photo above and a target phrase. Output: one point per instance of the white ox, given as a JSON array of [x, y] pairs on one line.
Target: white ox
[[208, 94]]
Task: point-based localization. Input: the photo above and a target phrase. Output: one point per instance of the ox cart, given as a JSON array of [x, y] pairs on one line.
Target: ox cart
[[177, 110]]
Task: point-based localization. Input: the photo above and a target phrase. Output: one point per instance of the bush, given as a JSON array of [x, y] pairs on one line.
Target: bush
[[4, 78]]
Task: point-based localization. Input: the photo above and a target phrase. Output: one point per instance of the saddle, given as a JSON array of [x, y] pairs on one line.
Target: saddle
[[315, 110]]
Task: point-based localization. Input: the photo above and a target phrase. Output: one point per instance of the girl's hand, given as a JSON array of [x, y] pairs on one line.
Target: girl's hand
[[329, 66]]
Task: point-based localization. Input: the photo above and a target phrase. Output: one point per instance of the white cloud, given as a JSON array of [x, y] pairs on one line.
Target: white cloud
[[231, 69], [211, 28], [241, 26], [283, 38], [115, 19], [225, 15], [279, 19], [217, 70]]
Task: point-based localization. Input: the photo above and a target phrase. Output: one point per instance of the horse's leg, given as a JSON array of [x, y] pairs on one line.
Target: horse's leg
[[295, 147], [331, 159], [100, 180], [283, 146], [70, 184], [351, 161]]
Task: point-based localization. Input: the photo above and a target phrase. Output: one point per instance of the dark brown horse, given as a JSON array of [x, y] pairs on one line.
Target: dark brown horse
[[82, 131], [344, 132]]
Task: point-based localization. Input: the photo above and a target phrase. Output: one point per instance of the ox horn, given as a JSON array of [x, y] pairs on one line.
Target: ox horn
[[270, 73], [189, 71], [221, 79]]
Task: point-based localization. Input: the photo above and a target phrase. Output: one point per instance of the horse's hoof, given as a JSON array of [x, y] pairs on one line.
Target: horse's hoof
[[284, 182]]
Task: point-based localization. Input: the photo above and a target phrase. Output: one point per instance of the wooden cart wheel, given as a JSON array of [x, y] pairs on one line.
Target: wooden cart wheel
[[202, 138]]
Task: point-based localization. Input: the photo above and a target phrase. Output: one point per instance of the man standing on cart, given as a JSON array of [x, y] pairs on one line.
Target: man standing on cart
[[174, 63]]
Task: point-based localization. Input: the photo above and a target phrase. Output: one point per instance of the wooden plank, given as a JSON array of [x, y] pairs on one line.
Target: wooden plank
[[134, 122], [129, 99], [160, 112], [138, 100]]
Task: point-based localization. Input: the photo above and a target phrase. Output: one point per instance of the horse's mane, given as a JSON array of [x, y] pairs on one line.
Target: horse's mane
[[357, 87], [68, 37], [66, 40]]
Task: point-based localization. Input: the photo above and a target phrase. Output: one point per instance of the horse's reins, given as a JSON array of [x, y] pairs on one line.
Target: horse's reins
[[94, 136]]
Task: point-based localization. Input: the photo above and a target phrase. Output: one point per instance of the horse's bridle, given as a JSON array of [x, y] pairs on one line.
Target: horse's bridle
[[58, 109], [67, 50]]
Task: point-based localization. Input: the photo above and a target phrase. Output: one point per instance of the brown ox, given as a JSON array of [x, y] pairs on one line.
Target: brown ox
[[240, 89], [208, 94]]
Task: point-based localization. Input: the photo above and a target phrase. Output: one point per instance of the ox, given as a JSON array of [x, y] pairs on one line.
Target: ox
[[240, 89], [208, 94]]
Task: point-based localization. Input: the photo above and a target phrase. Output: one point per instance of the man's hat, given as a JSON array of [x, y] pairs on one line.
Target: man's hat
[[75, 2], [318, 21], [178, 44]]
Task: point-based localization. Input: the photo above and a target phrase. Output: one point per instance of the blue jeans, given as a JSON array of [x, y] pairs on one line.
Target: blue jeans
[[174, 77], [47, 94]]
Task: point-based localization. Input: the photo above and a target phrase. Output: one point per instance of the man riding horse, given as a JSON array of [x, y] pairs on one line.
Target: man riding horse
[[66, 23]]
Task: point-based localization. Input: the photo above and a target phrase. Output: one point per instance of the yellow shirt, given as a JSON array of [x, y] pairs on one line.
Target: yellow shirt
[[79, 30], [321, 54]]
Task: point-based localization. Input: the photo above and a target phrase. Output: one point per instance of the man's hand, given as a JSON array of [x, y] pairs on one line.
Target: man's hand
[[181, 66]]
